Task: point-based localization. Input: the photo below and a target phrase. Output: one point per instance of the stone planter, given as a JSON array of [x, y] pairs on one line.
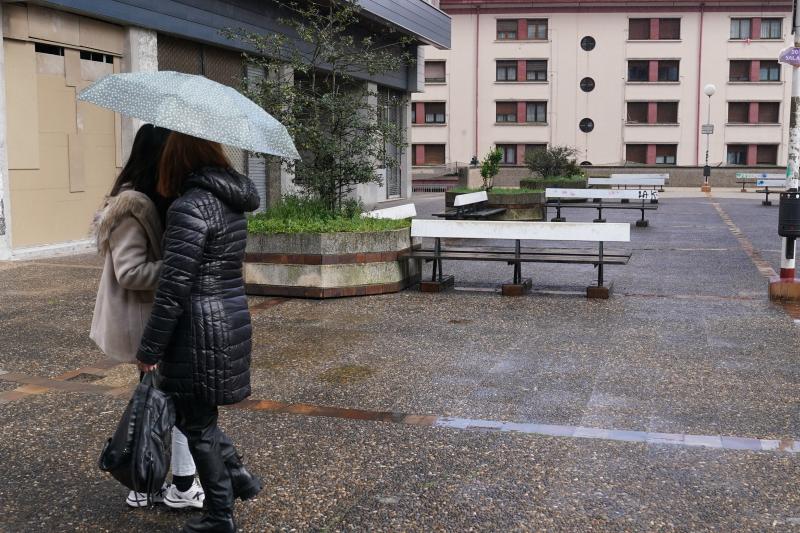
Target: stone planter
[[328, 265], [520, 206], [553, 183]]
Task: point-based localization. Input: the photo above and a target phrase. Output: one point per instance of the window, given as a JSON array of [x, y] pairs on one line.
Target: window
[[637, 112], [739, 71], [766, 154], [668, 70], [666, 154], [740, 28], [537, 30], [586, 125], [434, 113], [738, 112], [737, 154], [435, 72], [48, 49], [769, 113], [771, 28], [433, 154], [638, 29], [536, 71], [636, 153], [669, 29], [588, 43], [536, 112], [667, 112], [587, 85], [769, 71], [506, 30], [506, 71], [638, 70], [506, 112], [531, 148], [509, 154]]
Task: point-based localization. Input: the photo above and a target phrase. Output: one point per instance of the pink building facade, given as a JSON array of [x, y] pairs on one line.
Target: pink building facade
[[620, 80]]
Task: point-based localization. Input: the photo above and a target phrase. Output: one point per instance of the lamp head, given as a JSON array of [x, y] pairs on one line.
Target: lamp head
[[709, 90]]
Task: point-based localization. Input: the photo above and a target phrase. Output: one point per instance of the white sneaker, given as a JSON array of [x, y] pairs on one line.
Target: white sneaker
[[139, 499], [191, 498]]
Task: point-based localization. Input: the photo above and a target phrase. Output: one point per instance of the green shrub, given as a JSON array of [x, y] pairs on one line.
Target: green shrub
[[555, 161], [490, 167], [297, 214]]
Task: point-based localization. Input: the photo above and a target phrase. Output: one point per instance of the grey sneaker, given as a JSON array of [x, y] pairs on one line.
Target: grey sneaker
[[139, 499]]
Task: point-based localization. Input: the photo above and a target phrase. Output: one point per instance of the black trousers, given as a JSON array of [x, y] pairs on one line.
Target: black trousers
[[210, 448]]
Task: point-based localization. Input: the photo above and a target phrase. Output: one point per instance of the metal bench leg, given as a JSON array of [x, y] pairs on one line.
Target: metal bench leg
[[438, 282], [766, 197], [643, 222], [518, 286], [600, 290], [600, 212], [517, 264], [558, 218]]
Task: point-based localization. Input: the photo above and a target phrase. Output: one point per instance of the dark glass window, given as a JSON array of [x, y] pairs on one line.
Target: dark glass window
[[435, 112], [587, 85], [668, 70], [536, 112], [770, 71], [509, 154], [588, 43], [737, 154], [667, 112], [769, 112], [767, 154], [739, 71], [506, 112], [738, 112], [638, 70], [435, 72], [506, 71], [537, 29], [740, 28], [49, 49], [506, 30], [666, 154], [637, 112], [638, 29], [536, 71], [636, 153], [669, 29], [586, 125], [771, 28]]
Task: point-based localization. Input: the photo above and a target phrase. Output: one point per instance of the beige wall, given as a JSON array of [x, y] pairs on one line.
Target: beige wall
[[63, 155], [606, 105]]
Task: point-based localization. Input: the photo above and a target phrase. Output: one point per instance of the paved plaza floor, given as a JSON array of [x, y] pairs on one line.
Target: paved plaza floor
[[672, 406]]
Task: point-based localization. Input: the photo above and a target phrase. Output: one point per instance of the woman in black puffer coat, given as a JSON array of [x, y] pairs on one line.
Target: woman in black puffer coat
[[199, 334]]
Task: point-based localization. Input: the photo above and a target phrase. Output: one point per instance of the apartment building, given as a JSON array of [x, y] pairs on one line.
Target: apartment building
[[620, 80], [59, 157]]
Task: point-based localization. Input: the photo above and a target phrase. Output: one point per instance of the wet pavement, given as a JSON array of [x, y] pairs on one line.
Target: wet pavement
[[673, 406]]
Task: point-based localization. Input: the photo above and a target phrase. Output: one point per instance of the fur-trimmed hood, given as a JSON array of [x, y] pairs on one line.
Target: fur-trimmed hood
[[128, 203]]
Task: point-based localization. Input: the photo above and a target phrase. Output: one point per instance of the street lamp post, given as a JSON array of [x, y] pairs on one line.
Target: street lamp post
[[708, 129]]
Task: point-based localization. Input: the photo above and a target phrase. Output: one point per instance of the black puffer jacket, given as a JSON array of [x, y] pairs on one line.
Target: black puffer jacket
[[199, 330]]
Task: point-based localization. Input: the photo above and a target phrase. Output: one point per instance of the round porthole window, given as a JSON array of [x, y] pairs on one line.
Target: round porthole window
[[586, 163], [588, 43], [586, 125], [587, 85]]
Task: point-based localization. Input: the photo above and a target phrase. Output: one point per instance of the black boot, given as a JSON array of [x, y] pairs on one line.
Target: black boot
[[210, 522], [245, 485]]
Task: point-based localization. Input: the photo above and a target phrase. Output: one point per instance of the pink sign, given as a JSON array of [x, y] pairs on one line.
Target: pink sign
[[790, 56]]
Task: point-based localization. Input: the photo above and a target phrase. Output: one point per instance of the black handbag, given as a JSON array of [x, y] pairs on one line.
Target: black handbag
[[138, 454]]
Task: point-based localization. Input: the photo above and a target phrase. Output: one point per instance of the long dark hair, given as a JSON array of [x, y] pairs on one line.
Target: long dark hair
[[184, 154], [140, 173]]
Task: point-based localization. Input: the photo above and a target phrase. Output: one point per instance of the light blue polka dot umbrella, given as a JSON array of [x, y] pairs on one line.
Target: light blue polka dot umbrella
[[193, 105]]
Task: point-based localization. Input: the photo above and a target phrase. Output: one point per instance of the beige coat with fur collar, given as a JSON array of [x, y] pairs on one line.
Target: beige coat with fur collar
[[129, 236]]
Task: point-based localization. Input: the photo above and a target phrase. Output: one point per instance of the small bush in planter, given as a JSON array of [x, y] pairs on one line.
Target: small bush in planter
[[555, 161], [490, 167]]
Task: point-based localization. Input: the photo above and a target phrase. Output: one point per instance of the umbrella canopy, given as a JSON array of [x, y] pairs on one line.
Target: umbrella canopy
[[193, 105]]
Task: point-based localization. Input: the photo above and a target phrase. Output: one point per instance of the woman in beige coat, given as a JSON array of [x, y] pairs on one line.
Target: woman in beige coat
[[129, 230]]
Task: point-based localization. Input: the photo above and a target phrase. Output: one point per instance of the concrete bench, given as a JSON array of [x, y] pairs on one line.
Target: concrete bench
[[641, 196], [471, 206], [398, 212], [776, 184], [517, 232], [746, 177], [656, 181]]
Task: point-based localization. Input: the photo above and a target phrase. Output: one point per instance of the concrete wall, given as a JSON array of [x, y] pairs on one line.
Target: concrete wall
[[466, 135]]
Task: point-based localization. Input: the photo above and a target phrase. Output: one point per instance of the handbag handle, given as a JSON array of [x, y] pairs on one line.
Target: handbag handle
[[149, 379]]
